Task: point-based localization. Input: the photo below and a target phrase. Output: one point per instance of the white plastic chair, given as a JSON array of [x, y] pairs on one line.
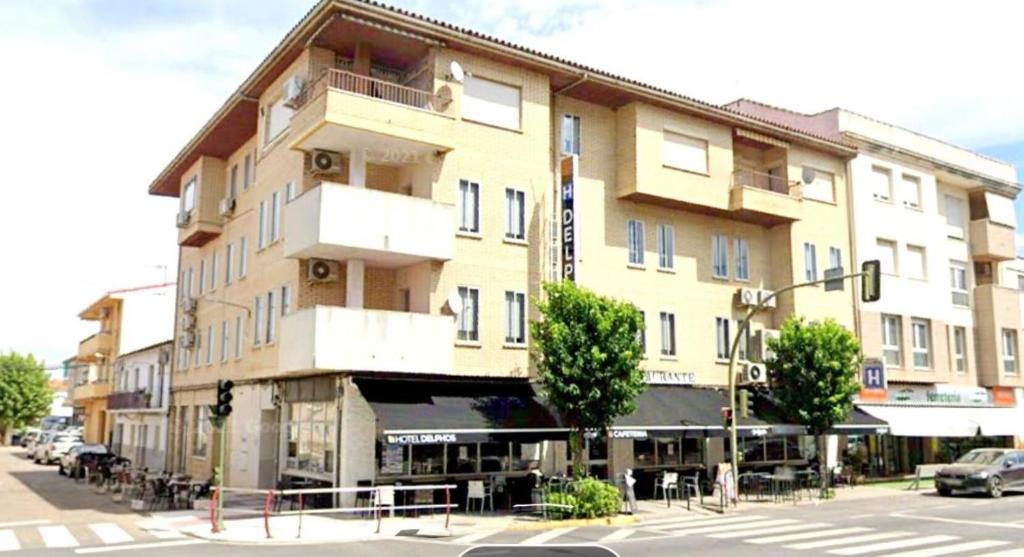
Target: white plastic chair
[[475, 490], [668, 483]]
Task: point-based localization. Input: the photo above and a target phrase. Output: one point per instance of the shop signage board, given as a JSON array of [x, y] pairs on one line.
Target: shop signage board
[[569, 218], [638, 434], [940, 395], [873, 374], [421, 438], [670, 377]]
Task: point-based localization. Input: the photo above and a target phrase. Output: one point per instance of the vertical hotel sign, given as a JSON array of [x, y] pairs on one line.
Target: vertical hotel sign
[[568, 173]]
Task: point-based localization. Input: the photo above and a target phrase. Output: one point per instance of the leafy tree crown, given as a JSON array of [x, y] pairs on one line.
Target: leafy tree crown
[[25, 394]]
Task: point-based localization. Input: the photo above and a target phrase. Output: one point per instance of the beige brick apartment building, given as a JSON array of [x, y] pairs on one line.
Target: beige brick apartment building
[[365, 221]]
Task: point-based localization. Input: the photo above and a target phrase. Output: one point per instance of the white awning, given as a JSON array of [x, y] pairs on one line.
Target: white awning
[[946, 421]]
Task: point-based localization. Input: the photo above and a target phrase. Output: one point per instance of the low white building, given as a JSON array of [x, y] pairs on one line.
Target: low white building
[[139, 405]]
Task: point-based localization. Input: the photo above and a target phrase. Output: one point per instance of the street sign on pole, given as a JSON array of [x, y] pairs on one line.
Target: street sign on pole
[[873, 374], [834, 279]]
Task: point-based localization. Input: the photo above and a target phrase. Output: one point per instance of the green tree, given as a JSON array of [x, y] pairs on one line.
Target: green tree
[[587, 350], [25, 394], [814, 377]]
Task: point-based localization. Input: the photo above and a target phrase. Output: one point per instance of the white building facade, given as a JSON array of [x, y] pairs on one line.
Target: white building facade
[[139, 405]]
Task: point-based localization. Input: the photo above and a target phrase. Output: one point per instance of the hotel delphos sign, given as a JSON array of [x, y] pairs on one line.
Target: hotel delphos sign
[[421, 438], [568, 234]]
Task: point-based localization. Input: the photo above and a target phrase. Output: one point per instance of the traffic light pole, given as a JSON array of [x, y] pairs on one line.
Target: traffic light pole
[[219, 423], [740, 333]]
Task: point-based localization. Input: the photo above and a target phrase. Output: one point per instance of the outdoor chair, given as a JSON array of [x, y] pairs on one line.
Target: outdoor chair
[[475, 490], [668, 483], [691, 487]]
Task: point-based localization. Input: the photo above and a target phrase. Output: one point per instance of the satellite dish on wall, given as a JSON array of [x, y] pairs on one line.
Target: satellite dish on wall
[[808, 175], [455, 72], [454, 302]]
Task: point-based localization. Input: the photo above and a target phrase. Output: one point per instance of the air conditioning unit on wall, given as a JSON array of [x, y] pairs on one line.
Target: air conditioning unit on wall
[[322, 270], [187, 340], [746, 297], [755, 374], [226, 207], [325, 162], [759, 351]]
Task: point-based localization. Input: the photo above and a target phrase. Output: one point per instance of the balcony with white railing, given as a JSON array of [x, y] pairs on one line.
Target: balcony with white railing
[[332, 338], [334, 221], [764, 197], [342, 110]]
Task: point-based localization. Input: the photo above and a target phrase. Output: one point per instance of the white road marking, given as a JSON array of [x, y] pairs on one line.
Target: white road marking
[[103, 549], [848, 540], [898, 544], [110, 533], [714, 522], [8, 541], [769, 530], [960, 521], [24, 523], [618, 535], [57, 536], [700, 518], [950, 549], [809, 535], [1007, 553], [733, 527], [859, 516], [165, 533], [546, 536], [470, 538]]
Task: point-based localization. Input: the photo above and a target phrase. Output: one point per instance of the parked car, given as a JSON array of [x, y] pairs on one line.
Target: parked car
[[28, 435], [991, 471], [35, 450], [59, 446], [86, 455]]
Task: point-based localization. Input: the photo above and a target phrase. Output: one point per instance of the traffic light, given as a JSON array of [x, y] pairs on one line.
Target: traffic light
[[871, 281], [745, 404], [224, 398]]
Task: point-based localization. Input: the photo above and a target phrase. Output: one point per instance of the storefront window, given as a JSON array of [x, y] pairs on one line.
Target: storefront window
[[494, 457], [462, 458], [668, 452], [525, 456], [310, 435], [643, 453], [775, 449], [427, 459], [392, 460], [752, 449], [692, 451], [807, 447]]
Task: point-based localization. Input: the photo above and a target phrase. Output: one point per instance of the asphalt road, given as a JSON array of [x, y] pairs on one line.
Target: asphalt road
[[41, 509]]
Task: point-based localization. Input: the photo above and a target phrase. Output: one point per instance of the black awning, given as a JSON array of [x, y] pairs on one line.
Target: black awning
[[672, 410], [860, 422], [411, 412]]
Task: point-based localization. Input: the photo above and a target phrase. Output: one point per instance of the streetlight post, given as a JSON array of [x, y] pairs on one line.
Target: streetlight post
[[741, 331]]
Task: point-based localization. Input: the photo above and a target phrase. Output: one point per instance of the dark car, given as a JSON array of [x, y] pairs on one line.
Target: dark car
[[990, 471], [89, 455]]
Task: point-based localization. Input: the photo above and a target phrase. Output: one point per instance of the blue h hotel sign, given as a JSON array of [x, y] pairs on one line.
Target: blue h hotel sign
[[568, 172], [873, 375]]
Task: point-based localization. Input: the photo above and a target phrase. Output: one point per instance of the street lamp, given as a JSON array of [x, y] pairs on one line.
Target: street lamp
[[870, 292]]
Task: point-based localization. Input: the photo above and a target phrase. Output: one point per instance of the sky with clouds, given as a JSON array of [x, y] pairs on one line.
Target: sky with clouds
[[101, 94]]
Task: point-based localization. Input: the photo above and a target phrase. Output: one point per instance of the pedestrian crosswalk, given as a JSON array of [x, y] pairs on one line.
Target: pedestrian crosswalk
[[54, 536], [779, 534]]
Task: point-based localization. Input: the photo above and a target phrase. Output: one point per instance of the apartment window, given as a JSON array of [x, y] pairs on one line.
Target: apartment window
[[188, 196], [197, 348], [835, 258], [188, 283], [891, 340], [635, 241], [201, 431], [257, 319], [247, 172], [1009, 352], [233, 182], [271, 317], [744, 340], [202, 276], [881, 183], [209, 344], [286, 299], [229, 257], [742, 259], [468, 320], [570, 134], [810, 262], [666, 246], [887, 256], [290, 192], [642, 334], [261, 231], [668, 334], [214, 263], [515, 214], [960, 349], [915, 264], [239, 334], [469, 207], [243, 256], [823, 188], [276, 121], [224, 341], [719, 256], [958, 283], [490, 102], [955, 212], [921, 335], [515, 318], [684, 152], [721, 338], [182, 358], [910, 191]]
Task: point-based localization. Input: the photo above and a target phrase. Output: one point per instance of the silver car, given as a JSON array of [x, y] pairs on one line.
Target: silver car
[[59, 446]]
